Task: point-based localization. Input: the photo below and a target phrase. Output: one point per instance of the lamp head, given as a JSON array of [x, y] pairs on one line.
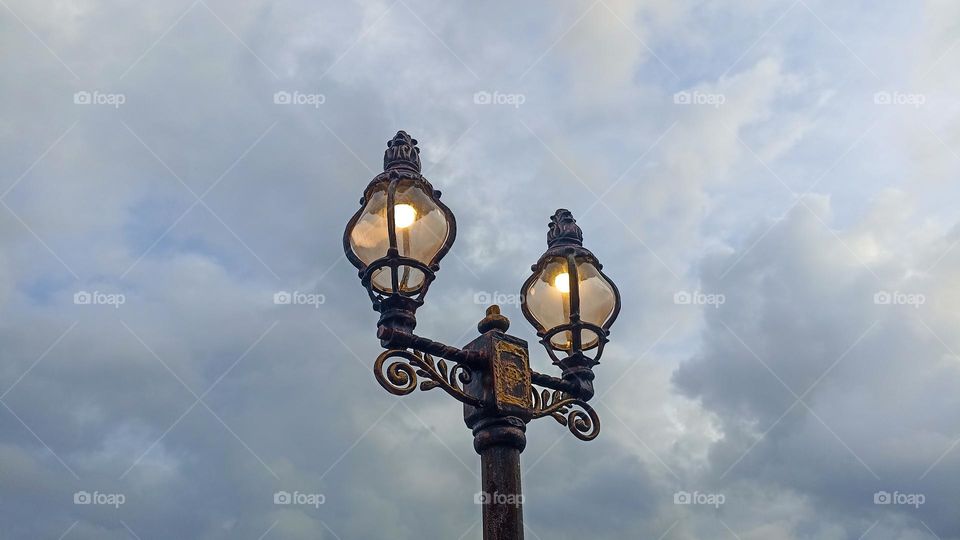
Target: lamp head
[[569, 300], [398, 236]]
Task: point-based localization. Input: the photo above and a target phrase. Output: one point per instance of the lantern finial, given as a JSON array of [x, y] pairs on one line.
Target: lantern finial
[[401, 153], [564, 230]]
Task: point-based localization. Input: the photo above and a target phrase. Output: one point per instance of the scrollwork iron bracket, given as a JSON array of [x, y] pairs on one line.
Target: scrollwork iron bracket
[[584, 422], [401, 376], [491, 376]]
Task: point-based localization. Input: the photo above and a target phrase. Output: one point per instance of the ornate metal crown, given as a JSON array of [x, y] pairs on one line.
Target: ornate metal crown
[[401, 152], [564, 230]]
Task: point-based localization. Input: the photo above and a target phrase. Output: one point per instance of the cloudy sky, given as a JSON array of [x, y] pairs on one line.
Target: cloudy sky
[[772, 184]]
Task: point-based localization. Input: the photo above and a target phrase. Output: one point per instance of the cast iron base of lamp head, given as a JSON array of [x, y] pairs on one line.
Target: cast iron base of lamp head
[[398, 313]]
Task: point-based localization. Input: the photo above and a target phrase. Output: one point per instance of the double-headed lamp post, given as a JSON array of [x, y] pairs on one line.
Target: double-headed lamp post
[[396, 241]]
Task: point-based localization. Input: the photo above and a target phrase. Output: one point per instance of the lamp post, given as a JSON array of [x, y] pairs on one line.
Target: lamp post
[[396, 241]]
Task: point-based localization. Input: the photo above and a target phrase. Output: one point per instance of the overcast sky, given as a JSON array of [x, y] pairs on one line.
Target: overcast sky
[[772, 185]]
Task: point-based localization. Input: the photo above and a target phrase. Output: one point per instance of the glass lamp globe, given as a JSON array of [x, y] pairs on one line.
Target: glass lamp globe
[[568, 299], [402, 230]]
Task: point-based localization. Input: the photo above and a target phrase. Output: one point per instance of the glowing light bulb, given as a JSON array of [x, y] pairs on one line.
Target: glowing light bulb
[[562, 282], [404, 215]]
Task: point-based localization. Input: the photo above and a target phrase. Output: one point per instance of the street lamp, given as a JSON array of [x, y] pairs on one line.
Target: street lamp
[[396, 240]]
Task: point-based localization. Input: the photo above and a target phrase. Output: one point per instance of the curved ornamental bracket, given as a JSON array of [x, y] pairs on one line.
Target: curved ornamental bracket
[[400, 376], [583, 422]]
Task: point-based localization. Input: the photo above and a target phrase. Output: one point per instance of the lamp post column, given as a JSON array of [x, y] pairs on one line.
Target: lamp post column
[[499, 441], [499, 426]]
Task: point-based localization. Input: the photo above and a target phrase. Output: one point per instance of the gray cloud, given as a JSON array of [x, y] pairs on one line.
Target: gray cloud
[[805, 319]]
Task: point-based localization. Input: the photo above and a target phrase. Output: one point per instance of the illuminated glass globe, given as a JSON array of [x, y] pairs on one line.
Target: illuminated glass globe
[[402, 230], [568, 299]]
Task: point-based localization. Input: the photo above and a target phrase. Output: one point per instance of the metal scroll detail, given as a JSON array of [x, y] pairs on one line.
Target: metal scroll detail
[[584, 424], [400, 376]]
